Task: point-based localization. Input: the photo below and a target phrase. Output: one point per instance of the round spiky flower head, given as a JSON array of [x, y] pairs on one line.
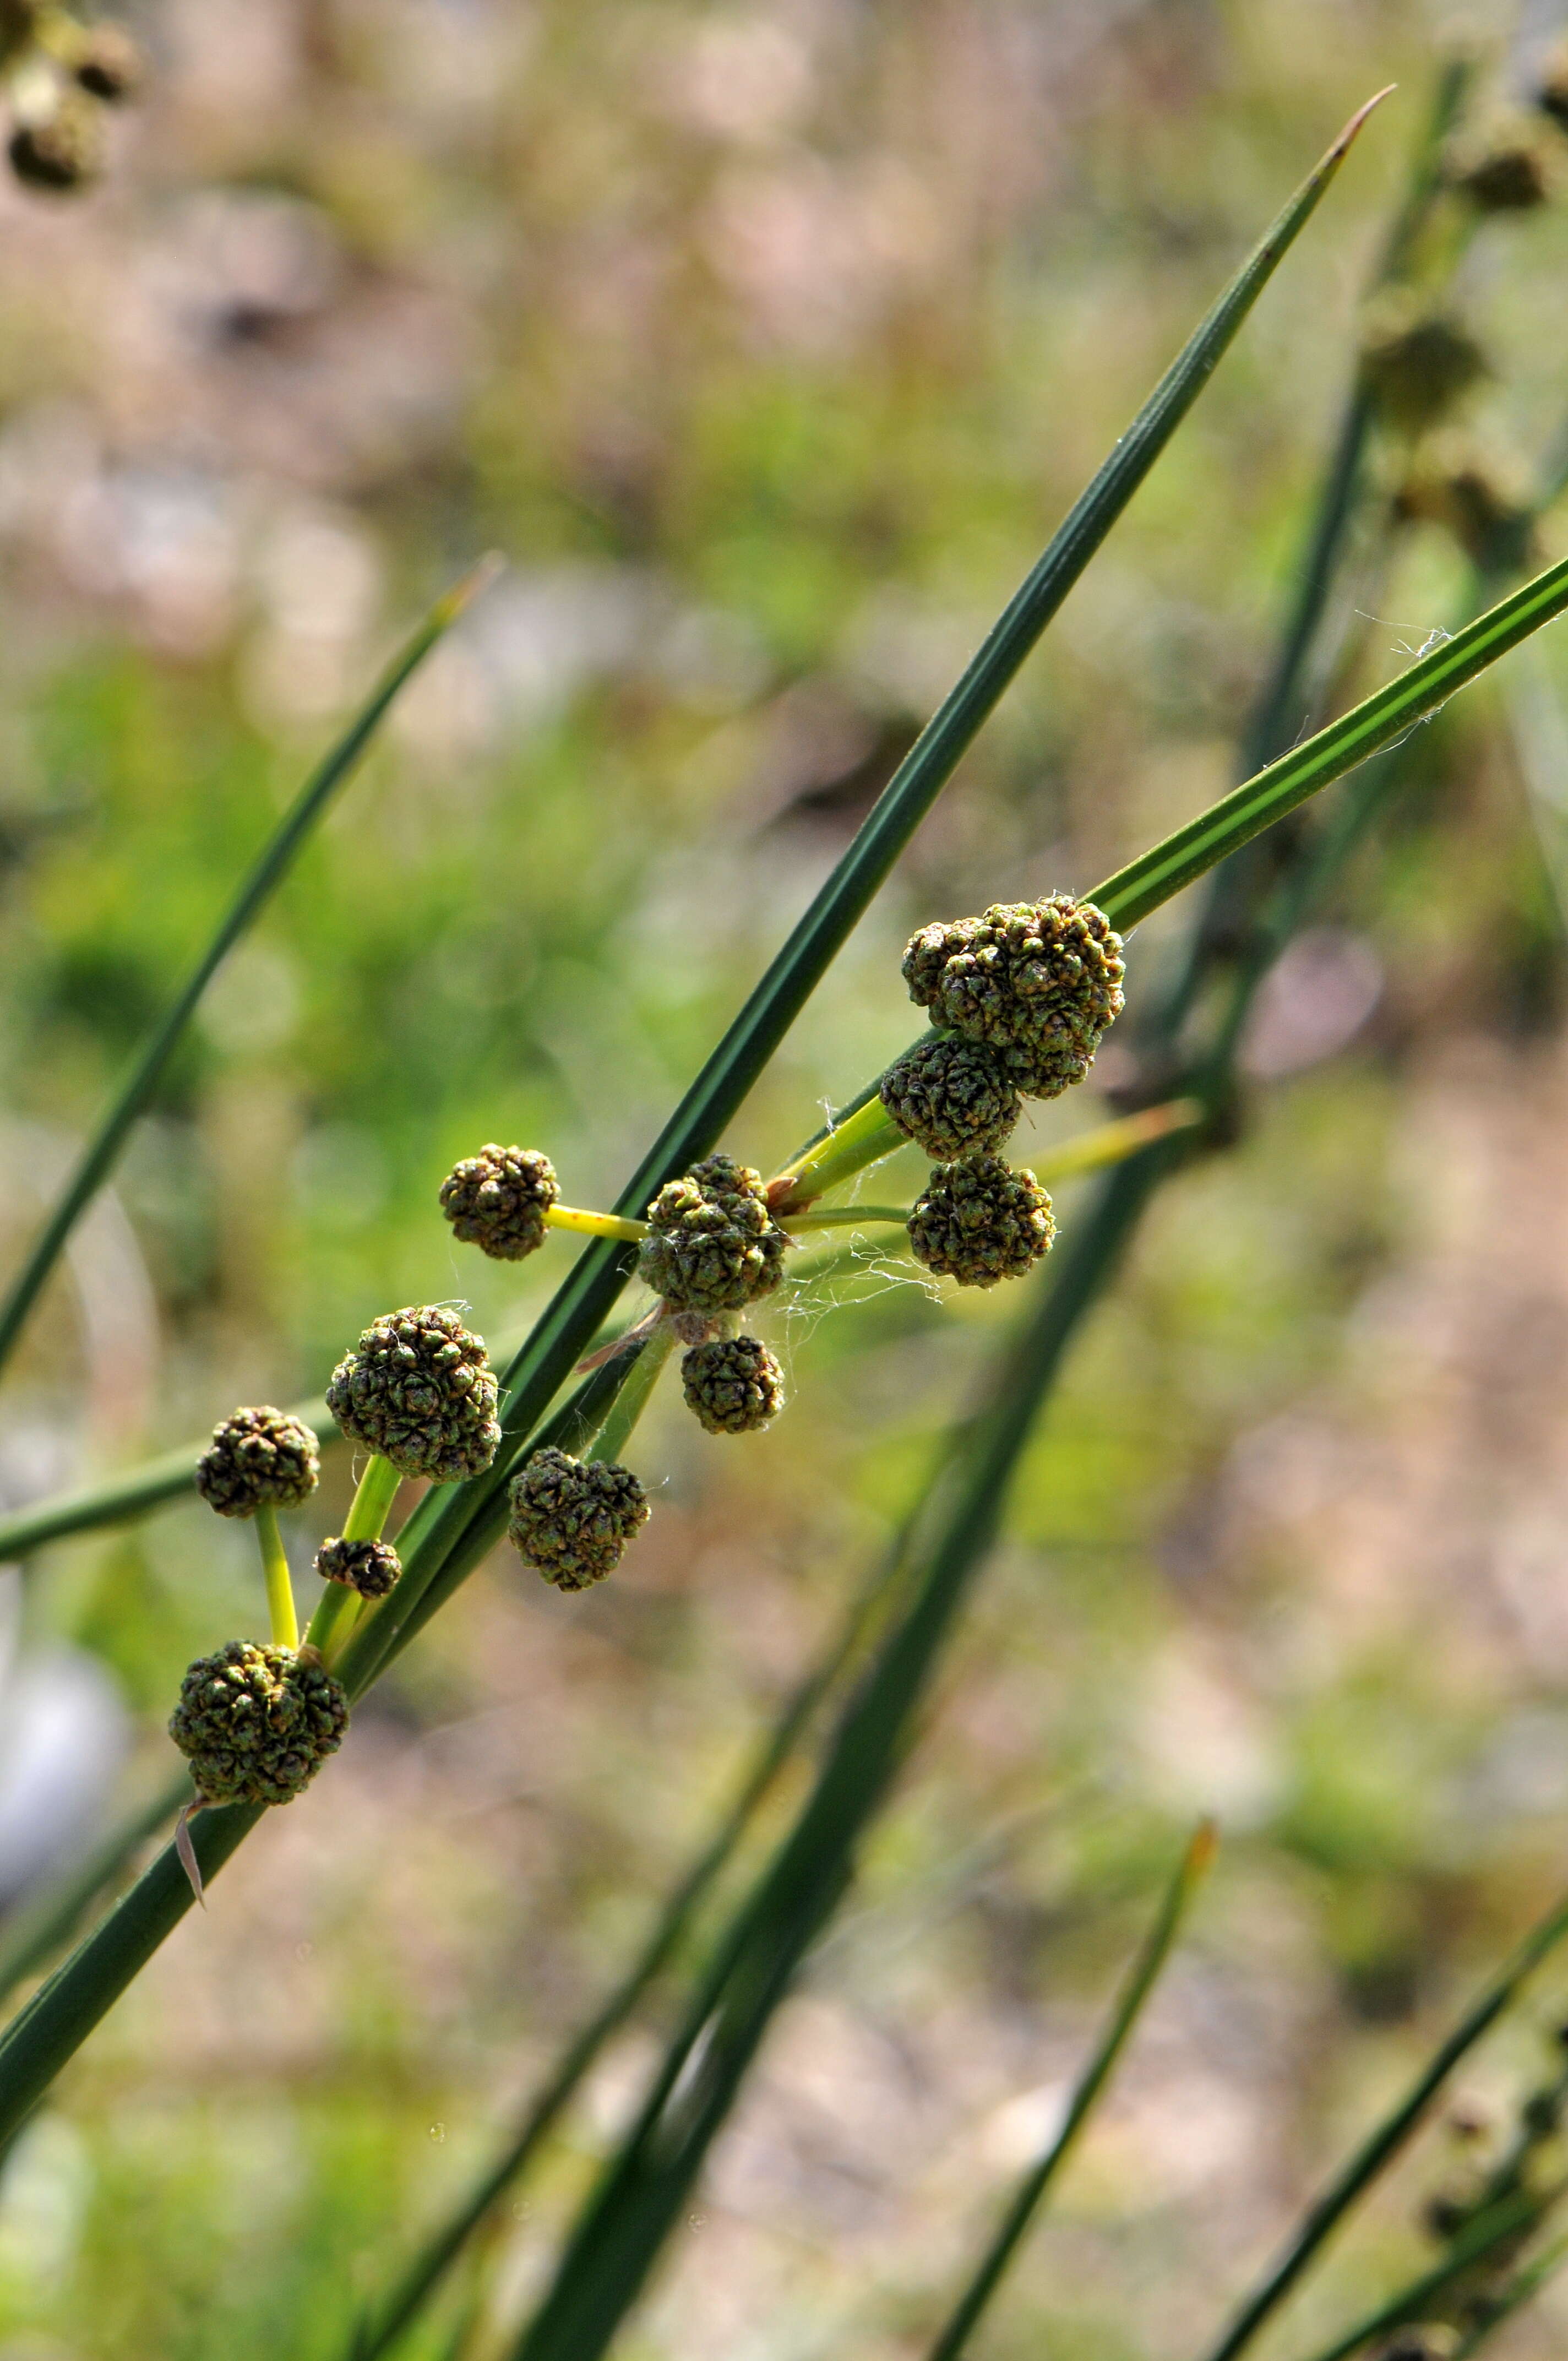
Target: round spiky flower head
[[1418, 363], [107, 62], [1038, 982], [259, 1459], [979, 1220], [573, 1518], [713, 1246], [257, 1723], [368, 1568], [951, 1095], [733, 1384], [62, 150], [498, 1200], [418, 1389]]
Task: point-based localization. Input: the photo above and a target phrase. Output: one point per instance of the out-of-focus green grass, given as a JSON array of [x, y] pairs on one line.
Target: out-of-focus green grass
[[768, 344]]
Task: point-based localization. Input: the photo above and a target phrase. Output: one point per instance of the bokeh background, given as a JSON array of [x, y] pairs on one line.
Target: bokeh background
[[768, 342]]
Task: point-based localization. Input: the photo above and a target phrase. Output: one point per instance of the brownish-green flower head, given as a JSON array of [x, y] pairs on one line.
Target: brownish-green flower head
[[978, 1221], [418, 1389], [952, 1096], [1037, 982], [573, 1518], [258, 1722], [733, 1384], [497, 1201], [1416, 363], [712, 1245], [368, 1568], [107, 62], [62, 150], [259, 1459], [1504, 173]]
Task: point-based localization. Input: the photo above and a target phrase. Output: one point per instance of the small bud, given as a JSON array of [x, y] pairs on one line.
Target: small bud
[[713, 1245], [498, 1200], [1502, 172], [979, 1222], [368, 1568], [1038, 980], [60, 151], [419, 1389], [951, 1096], [1416, 363], [107, 62], [734, 1385], [258, 1458], [573, 1518], [258, 1722]]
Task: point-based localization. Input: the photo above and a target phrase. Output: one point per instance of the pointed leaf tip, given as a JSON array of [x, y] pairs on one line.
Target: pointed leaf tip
[[1200, 1851], [474, 585], [1359, 117]]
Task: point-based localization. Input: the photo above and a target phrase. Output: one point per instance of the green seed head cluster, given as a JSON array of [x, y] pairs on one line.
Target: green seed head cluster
[[259, 1459], [573, 1518], [368, 1568], [257, 1723], [57, 142], [498, 1200], [62, 150], [951, 1096], [733, 1384], [1416, 363], [1038, 982], [713, 1246], [419, 1389], [978, 1221]]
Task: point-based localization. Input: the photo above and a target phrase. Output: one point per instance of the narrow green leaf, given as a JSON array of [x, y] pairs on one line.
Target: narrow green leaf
[[1140, 1983], [1383, 2143], [37, 1932], [271, 866], [1525, 2285], [1413, 2303]]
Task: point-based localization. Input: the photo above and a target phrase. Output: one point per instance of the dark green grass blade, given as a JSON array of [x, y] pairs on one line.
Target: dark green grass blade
[[447, 1530], [1413, 2303], [1383, 2143], [272, 865], [641, 2194], [1521, 2290], [37, 1932], [419, 2282], [1365, 731], [1140, 1983]]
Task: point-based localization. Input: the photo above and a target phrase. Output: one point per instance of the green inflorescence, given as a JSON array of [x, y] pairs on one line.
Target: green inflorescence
[[713, 1245], [419, 1389], [952, 1096], [258, 1722], [733, 1384], [1038, 982], [256, 1459], [498, 1200], [1415, 362], [979, 1220], [370, 1568], [572, 1519]]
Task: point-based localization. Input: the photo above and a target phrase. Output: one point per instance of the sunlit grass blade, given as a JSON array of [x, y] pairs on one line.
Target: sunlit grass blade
[[270, 867], [643, 2187], [449, 1533], [1413, 2303], [1521, 2289], [1383, 2143], [389, 2320], [1140, 1982]]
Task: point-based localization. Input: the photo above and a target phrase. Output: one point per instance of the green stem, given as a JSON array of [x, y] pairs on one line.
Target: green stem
[[367, 1513], [1112, 1143], [594, 1226], [863, 1136], [632, 1399], [279, 1589], [842, 1217]]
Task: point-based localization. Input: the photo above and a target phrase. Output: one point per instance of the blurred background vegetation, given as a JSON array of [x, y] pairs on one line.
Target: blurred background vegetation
[[768, 342]]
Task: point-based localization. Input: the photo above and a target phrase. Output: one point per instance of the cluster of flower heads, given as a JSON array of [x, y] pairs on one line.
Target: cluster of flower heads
[[61, 75]]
